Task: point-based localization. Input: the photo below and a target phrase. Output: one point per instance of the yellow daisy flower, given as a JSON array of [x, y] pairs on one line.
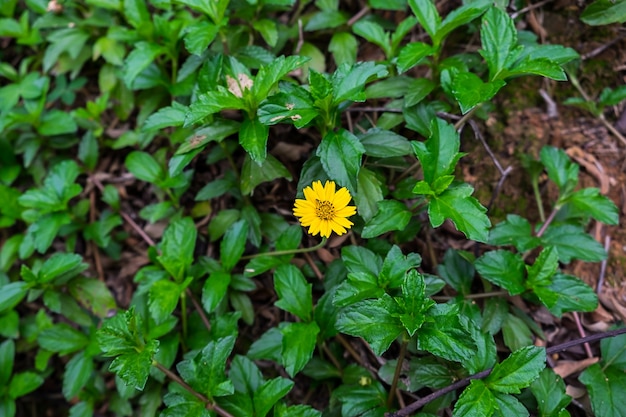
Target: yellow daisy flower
[[325, 210]]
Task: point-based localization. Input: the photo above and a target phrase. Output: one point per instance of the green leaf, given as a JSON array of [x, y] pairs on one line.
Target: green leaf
[[395, 266], [217, 131], [177, 247], [253, 174], [7, 407], [504, 269], [467, 214], [499, 38], [349, 82], [212, 102], [143, 166], [343, 46], [233, 244], [78, 372], [382, 143], [62, 338], [391, 215], [57, 122], [340, 154], [139, 59], [418, 90], [163, 299], [439, 154], [205, 372], [475, 401], [122, 336], [299, 341], [61, 267], [373, 320], [549, 390], [427, 15], [294, 293], [613, 351], [214, 289], [456, 271], [588, 202], [374, 33], [269, 393], [508, 405], [556, 53], [573, 295], [572, 242], [7, 357], [517, 371], [23, 383], [181, 403], [459, 17], [412, 54], [516, 333], [269, 75], [369, 194], [293, 104], [606, 388], [604, 12], [11, 294], [446, 336], [171, 116], [414, 302], [610, 97], [253, 137], [362, 400], [546, 264], [136, 12], [469, 90], [245, 375], [326, 19], [360, 259], [515, 231], [538, 66], [560, 169], [199, 36]]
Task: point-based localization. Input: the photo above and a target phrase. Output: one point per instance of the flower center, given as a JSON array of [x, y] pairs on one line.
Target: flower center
[[324, 210]]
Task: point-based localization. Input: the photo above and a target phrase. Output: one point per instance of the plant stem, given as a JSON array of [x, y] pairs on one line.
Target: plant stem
[[547, 222], [199, 309], [183, 313], [465, 118], [288, 251], [171, 375], [542, 214], [396, 375]]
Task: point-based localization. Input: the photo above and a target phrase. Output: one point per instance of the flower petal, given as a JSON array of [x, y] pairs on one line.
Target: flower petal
[[329, 191], [315, 227], [310, 194], [342, 198], [337, 228], [346, 211], [343, 222], [325, 228], [318, 190]]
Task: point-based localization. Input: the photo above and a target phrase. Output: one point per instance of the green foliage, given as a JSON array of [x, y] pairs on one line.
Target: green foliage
[[149, 261]]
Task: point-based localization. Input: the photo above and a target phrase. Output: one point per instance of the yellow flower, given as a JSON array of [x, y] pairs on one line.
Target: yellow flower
[[325, 210]]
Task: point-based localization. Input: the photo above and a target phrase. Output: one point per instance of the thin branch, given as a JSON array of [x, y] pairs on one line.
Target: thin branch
[[607, 245], [547, 223], [171, 375], [411, 408], [199, 309]]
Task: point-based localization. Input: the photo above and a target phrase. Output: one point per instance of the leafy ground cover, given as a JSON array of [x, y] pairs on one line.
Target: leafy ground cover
[[255, 208]]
